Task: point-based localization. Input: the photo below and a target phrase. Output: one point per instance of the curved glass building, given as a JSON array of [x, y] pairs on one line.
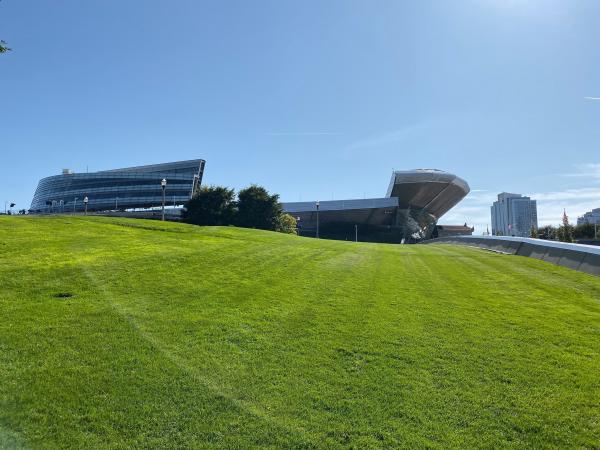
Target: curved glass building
[[415, 200], [119, 189]]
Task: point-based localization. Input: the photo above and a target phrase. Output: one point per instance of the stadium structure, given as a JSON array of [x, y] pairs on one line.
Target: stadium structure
[[409, 212], [119, 189]]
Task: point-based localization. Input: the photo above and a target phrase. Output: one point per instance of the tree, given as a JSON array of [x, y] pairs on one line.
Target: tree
[[565, 232], [584, 231], [547, 232], [565, 218], [534, 232], [256, 208], [212, 205], [287, 224]]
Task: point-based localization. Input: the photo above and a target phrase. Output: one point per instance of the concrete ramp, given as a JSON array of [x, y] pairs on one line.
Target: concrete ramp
[[584, 258]]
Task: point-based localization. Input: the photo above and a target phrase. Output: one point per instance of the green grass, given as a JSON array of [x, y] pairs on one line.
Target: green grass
[[178, 336]]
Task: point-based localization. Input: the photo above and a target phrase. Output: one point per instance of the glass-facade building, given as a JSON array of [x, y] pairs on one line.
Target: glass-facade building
[[513, 215], [119, 189], [591, 217], [414, 202]]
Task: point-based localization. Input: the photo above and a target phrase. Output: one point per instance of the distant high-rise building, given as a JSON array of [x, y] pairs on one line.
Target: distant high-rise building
[[513, 215], [592, 217]]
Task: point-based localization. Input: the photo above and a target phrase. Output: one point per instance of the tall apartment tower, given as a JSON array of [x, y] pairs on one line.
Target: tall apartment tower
[[513, 215]]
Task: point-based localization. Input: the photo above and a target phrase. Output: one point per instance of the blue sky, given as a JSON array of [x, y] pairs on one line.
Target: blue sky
[[313, 99]]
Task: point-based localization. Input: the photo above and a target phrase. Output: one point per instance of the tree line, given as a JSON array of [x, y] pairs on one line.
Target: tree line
[[565, 232], [252, 207]]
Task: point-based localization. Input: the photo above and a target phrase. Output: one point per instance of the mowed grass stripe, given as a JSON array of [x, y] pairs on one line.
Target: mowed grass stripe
[[221, 337]]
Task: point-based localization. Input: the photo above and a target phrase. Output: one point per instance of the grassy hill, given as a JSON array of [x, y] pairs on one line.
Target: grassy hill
[[121, 333]]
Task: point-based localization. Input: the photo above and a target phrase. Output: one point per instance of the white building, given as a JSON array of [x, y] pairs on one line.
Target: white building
[[513, 215], [592, 217]]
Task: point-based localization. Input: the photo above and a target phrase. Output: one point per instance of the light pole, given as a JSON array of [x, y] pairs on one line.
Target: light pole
[[163, 185], [317, 205], [116, 203], [85, 202], [355, 233], [298, 225], [74, 204]]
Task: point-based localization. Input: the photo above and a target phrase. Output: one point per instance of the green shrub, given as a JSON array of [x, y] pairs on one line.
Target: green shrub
[[287, 224]]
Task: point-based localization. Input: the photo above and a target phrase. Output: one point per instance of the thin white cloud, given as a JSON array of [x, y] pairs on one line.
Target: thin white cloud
[[304, 133], [575, 202], [550, 212], [588, 170], [480, 197], [377, 141], [569, 194], [592, 98], [388, 137]]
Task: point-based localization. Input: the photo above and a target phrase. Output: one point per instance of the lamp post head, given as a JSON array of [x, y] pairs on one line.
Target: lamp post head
[[85, 199], [317, 203], [163, 182]]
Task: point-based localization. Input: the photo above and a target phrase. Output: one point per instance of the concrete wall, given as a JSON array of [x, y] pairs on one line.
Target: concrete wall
[[584, 258]]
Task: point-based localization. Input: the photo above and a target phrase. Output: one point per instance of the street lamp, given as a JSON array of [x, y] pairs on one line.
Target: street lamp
[[355, 233], [116, 203], [85, 202], [163, 185], [74, 204], [317, 205], [298, 225]]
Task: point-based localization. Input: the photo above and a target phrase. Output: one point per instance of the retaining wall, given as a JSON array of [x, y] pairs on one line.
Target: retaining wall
[[584, 258]]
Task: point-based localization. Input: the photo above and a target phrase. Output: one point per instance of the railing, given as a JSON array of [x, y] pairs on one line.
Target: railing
[[584, 258]]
